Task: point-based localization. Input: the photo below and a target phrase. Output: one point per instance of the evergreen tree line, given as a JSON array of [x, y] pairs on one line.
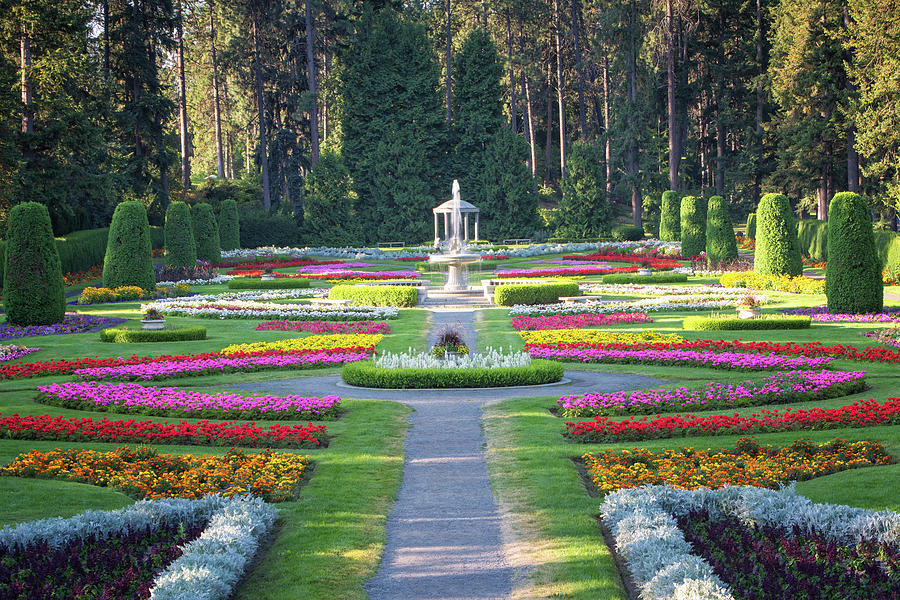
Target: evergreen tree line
[[353, 118]]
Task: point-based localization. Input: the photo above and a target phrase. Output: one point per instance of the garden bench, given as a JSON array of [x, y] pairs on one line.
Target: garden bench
[[407, 282], [391, 244], [579, 299], [517, 241], [329, 302]]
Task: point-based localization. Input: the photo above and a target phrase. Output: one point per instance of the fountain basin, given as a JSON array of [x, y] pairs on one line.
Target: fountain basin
[[457, 269]]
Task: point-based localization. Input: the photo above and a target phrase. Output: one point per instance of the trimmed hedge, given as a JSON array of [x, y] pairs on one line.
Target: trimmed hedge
[[229, 225], [670, 217], [129, 256], [813, 237], [887, 244], [693, 226], [853, 272], [181, 249], [251, 283], [627, 233], [376, 295], [34, 293], [365, 374], [777, 245], [652, 278], [697, 323], [533, 293], [182, 334], [751, 226], [720, 241], [206, 233]]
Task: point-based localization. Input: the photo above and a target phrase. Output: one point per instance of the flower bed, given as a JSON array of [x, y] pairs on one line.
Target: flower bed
[[193, 281], [890, 337], [365, 374], [313, 342], [747, 463], [203, 433], [255, 295], [335, 275], [102, 295], [217, 364], [575, 271], [92, 274], [168, 401], [683, 358], [578, 321], [710, 301], [263, 262], [778, 283], [255, 283], [72, 323], [490, 358], [14, 352], [764, 322], [245, 309], [646, 289], [357, 327], [144, 473], [865, 413], [780, 388], [820, 314], [593, 336]]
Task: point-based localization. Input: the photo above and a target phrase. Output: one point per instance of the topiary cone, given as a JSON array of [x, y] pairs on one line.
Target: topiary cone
[[720, 243], [853, 272], [181, 250], [777, 246], [129, 253], [693, 226], [206, 234], [670, 217], [229, 226]]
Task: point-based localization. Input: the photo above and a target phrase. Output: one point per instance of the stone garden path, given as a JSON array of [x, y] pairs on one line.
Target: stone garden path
[[443, 534]]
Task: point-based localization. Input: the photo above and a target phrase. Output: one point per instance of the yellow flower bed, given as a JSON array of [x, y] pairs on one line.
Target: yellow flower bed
[[94, 295], [313, 342], [777, 283], [746, 464], [597, 336]]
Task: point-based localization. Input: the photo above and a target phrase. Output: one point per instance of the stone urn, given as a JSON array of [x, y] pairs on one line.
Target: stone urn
[[645, 271], [748, 312], [153, 323]]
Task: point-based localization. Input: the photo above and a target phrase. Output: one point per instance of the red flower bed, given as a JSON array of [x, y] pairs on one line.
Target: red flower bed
[[565, 271], [258, 272], [204, 433], [275, 264], [412, 258], [864, 413], [615, 256]]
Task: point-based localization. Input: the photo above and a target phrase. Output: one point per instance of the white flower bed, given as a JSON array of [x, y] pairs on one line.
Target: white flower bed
[[247, 309], [639, 289], [489, 359], [216, 279], [253, 295], [659, 559], [693, 302]]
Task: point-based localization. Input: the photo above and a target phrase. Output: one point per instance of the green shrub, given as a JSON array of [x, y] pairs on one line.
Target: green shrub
[[721, 245], [533, 293], [129, 260], [33, 292], [259, 228], [698, 323], [376, 295], [693, 226], [365, 374], [777, 245], [181, 334], [887, 244], [329, 216], [853, 272], [584, 210], [648, 279], [813, 238], [254, 283], [229, 228], [206, 233], [627, 233], [751, 226], [181, 249], [670, 217]]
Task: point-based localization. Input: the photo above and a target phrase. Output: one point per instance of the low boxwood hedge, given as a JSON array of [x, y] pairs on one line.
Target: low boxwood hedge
[[652, 278], [376, 295], [182, 334], [698, 323], [255, 283], [365, 374], [533, 293]]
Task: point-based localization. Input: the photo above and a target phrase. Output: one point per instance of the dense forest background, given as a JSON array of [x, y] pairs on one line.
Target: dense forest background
[[350, 119]]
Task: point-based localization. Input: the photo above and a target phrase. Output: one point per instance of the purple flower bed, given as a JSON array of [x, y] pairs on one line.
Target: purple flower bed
[[168, 401], [765, 562], [598, 263], [780, 388], [685, 358], [14, 352], [888, 337], [333, 267], [73, 323], [820, 314], [215, 366]]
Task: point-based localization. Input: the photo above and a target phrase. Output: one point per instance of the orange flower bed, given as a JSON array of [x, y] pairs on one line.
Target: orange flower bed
[[747, 463], [144, 473]]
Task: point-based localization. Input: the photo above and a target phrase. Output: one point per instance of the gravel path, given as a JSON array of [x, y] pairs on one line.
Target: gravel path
[[443, 533]]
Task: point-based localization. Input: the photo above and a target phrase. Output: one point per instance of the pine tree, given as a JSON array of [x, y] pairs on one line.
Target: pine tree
[[329, 218], [508, 198], [584, 211]]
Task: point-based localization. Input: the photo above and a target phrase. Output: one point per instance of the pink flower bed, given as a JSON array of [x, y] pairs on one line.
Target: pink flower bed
[[687, 358], [357, 327], [578, 321]]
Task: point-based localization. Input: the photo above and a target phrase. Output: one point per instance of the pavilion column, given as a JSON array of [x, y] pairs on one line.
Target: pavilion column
[[435, 226], [446, 228], [466, 228], [476, 227]]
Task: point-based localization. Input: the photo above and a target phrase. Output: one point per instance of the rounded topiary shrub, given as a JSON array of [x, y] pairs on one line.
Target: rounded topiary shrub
[[670, 217], [229, 226], [181, 250], [33, 289], [751, 226], [206, 233], [777, 245], [693, 226], [853, 272], [721, 246], [129, 258]]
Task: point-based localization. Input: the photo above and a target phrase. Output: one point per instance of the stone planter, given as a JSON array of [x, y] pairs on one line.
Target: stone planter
[[748, 313], [153, 323], [643, 271], [267, 277]]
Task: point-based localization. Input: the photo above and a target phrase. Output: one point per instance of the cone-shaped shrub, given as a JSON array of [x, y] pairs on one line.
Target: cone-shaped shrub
[[229, 226], [670, 217], [181, 251], [129, 258], [853, 272], [751, 226], [693, 226], [777, 245], [206, 233], [720, 243], [33, 289]]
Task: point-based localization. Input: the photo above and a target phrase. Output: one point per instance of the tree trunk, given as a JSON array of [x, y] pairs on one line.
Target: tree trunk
[[106, 42], [632, 101], [136, 92], [217, 110], [247, 152], [674, 151], [263, 150], [529, 117], [514, 120], [549, 139], [25, 57], [852, 155], [757, 187], [182, 110], [448, 82], [557, 31], [607, 152], [822, 198], [311, 77], [579, 70]]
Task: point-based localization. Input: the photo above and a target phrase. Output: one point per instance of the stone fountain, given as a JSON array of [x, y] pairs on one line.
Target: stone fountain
[[452, 250]]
